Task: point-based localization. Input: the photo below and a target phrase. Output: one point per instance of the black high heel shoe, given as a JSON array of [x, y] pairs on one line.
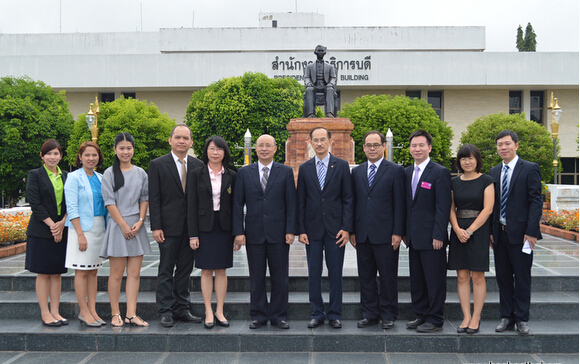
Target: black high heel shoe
[[224, 323], [208, 325], [473, 331]]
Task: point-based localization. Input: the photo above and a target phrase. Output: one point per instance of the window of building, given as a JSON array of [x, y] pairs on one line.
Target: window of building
[[274, 23], [515, 102], [107, 97], [569, 174], [413, 94], [537, 106], [129, 95], [435, 98]]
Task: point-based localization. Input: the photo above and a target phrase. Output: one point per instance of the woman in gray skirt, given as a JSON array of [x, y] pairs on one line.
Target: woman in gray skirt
[[125, 192]]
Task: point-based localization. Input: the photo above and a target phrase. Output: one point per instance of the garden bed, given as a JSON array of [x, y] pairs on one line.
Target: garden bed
[[563, 224]]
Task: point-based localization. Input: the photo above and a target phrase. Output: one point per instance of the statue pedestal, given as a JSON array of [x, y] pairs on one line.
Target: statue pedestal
[[299, 150]]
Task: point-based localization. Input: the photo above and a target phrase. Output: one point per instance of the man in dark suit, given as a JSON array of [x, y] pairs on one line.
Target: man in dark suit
[[325, 212], [428, 191], [379, 225], [319, 76], [168, 214], [516, 228], [268, 190]]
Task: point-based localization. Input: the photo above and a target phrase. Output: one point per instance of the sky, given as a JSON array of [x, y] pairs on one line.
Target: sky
[[555, 22]]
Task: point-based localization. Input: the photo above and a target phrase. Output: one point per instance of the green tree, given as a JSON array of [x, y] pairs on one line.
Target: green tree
[[149, 127], [253, 101], [527, 42], [30, 113], [535, 142], [520, 39], [403, 116]]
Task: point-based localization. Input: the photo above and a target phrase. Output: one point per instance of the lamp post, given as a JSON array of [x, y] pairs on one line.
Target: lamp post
[[556, 112], [389, 150], [92, 120], [247, 147]]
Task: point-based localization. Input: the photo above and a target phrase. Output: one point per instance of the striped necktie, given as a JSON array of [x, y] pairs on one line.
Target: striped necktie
[[372, 173], [504, 191], [321, 174], [264, 180]]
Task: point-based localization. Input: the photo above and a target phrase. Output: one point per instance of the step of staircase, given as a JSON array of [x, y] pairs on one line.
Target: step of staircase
[[547, 336]]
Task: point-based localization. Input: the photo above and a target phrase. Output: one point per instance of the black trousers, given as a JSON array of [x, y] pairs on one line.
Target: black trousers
[[172, 294]]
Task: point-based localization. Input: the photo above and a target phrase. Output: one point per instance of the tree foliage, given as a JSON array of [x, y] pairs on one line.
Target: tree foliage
[[403, 116], [30, 113], [253, 101], [149, 127], [535, 142], [527, 42]]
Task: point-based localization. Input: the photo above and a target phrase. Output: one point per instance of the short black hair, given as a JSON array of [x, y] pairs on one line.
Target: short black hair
[[320, 127], [466, 151], [420, 132], [505, 133], [180, 125], [381, 135], [220, 143]]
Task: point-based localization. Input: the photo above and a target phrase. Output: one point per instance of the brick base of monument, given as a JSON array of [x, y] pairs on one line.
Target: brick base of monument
[[299, 150]]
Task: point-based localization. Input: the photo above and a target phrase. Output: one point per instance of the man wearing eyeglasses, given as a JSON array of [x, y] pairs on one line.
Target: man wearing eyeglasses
[[379, 225], [324, 224], [267, 189]]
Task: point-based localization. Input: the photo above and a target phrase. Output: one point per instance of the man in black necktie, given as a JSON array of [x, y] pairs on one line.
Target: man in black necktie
[[319, 76], [516, 228], [268, 191]]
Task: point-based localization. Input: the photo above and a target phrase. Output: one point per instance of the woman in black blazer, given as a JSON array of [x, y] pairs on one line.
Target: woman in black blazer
[[209, 204], [46, 233]]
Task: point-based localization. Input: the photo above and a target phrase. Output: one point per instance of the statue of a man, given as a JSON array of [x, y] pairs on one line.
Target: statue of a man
[[319, 76]]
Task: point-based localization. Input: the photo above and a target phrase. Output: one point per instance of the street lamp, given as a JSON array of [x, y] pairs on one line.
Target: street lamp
[[389, 150], [556, 112], [92, 118]]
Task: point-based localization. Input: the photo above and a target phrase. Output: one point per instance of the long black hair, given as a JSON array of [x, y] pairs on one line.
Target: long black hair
[[117, 174], [219, 143]]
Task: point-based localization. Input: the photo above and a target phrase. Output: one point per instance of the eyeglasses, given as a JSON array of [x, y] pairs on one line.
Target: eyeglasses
[[321, 140], [267, 146], [373, 146], [215, 149]]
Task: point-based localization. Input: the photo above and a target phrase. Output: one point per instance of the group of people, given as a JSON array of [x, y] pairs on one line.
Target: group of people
[[202, 211]]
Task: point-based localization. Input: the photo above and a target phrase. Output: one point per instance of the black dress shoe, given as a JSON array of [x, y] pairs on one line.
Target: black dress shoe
[[52, 324], [224, 323], [208, 325], [504, 324], [387, 324], [473, 331], [315, 323], [256, 324], [462, 330], [282, 324], [188, 317], [167, 321], [415, 323], [335, 324], [523, 327], [428, 327], [366, 323], [63, 322]]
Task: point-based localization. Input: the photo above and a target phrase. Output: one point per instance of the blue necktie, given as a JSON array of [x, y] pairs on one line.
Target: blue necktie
[[415, 182], [321, 174], [504, 191], [372, 173]]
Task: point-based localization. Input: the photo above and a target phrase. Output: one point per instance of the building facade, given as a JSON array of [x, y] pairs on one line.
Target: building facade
[[447, 66]]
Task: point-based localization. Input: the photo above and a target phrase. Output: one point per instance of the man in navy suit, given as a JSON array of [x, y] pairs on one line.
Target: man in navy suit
[[168, 214], [379, 225], [516, 228], [324, 223], [268, 190], [428, 191]]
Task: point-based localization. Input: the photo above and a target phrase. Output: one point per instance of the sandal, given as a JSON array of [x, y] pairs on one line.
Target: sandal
[[120, 319], [129, 320]]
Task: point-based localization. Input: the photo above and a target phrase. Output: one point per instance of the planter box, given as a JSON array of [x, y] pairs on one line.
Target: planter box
[[12, 250], [566, 234]]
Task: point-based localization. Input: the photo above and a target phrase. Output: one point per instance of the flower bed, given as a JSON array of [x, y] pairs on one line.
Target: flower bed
[[567, 220], [13, 227]]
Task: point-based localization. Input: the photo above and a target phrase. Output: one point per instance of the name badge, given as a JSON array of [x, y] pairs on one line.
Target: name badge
[[426, 185]]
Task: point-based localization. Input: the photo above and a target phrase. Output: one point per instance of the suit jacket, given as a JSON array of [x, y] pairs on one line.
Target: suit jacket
[[428, 213], [379, 210], [270, 214], [167, 201], [329, 74], [200, 200], [42, 199], [330, 209], [524, 202], [79, 199]]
